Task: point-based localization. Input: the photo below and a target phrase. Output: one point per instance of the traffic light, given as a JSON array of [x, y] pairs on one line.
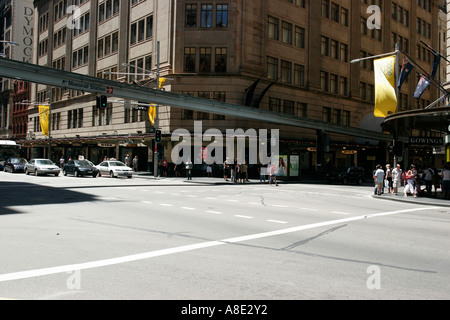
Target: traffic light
[[158, 136], [102, 102]]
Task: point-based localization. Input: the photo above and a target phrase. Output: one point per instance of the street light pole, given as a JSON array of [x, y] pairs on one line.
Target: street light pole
[[156, 125]]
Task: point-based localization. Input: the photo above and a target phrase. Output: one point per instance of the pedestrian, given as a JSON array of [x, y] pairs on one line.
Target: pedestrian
[[226, 168], [135, 163], [388, 177], [396, 178], [411, 181], [262, 173], [209, 170], [164, 167], [189, 167], [244, 172], [446, 181], [237, 172], [232, 170], [379, 178], [273, 174], [61, 162], [428, 178], [127, 160]]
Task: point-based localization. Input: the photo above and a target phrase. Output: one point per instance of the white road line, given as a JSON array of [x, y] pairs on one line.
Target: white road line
[[241, 216], [257, 203], [279, 206], [210, 198], [232, 200], [214, 212], [187, 208], [191, 247], [308, 209], [192, 196], [148, 202], [166, 204], [339, 212], [276, 221]]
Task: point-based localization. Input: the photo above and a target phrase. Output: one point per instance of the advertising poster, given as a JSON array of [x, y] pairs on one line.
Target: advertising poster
[[281, 164], [294, 161]]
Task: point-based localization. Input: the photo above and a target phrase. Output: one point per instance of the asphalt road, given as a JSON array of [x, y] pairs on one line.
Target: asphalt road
[[67, 238]]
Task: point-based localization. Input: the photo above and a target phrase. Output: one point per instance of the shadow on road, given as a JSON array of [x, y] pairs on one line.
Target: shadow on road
[[14, 194]]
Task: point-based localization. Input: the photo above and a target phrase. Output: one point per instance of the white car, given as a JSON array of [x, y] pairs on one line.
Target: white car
[[114, 168], [42, 166]]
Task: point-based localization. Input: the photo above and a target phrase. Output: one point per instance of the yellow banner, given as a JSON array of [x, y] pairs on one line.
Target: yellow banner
[[44, 112], [161, 82], [152, 114], [385, 95]]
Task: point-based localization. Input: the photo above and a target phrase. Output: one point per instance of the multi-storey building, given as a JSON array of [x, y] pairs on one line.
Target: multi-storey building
[[16, 42], [295, 53]]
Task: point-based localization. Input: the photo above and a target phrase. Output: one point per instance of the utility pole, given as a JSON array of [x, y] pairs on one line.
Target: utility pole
[[155, 151]]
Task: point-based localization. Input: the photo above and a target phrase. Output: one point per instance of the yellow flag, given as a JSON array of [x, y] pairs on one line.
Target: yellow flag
[[152, 114], [161, 82], [44, 112], [385, 96]]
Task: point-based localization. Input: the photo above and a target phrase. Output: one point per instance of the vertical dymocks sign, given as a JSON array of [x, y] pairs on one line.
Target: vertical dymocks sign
[[23, 25]]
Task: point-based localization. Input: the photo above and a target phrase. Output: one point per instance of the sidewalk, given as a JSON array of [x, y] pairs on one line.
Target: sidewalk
[[438, 201]]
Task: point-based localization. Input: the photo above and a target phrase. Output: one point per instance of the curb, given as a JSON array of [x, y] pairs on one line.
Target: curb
[[441, 203]]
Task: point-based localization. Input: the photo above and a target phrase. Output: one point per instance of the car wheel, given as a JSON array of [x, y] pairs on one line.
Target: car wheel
[[111, 174], [36, 172], [64, 172], [95, 175], [129, 177], [76, 173]]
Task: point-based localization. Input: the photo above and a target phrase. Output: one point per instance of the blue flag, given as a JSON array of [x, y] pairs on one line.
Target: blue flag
[[435, 66], [421, 86], [404, 73]]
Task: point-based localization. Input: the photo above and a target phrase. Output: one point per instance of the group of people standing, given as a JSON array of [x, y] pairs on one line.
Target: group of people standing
[[392, 179], [238, 172]]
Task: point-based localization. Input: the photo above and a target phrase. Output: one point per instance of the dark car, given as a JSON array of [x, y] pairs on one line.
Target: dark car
[[80, 168], [15, 165], [347, 175]]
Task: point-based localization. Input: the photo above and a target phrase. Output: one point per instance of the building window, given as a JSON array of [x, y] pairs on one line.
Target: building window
[[84, 25], [326, 114], [326, 8], [221, 60], [272, 68], [299, 75], [191, 15], [299, 37], [275, 105], [205, 60], [222, 15], [286, 71], [273, 28], [80, 57], [324, 80], [288, 107], [324, 48], [206, 16], [189, 59], [286, 32]]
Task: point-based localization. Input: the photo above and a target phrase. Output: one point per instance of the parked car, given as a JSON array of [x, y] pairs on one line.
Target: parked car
[[15, 165], [42, 166], [80, 168], [347, 175], [114, 168]]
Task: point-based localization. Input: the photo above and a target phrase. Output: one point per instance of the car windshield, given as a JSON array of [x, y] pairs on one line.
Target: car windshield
[[116, 164], [82, 163], [18, 160], [45, 161]]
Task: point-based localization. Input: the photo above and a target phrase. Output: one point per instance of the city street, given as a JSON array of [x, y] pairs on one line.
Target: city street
[[170, 239]]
